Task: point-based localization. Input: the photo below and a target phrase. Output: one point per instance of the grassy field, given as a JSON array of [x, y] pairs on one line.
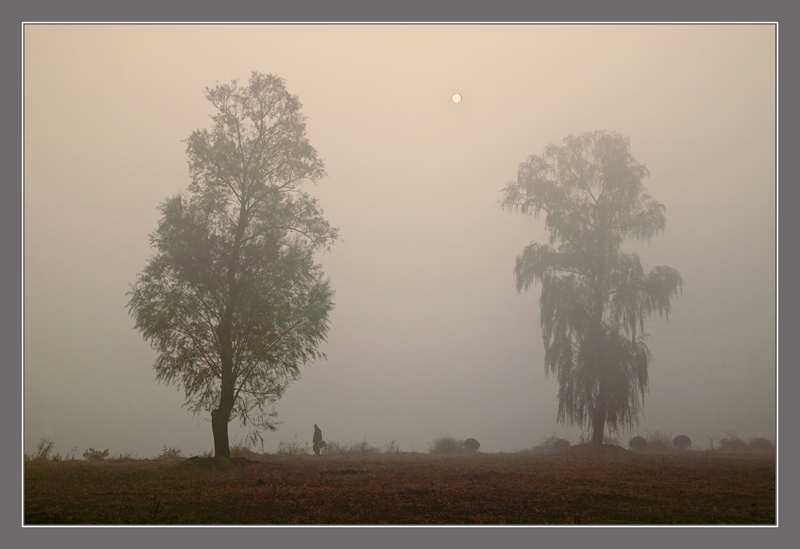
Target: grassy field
[[578, 486]]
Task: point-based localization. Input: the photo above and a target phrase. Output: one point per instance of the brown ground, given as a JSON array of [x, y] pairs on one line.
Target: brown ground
[[581, 485]]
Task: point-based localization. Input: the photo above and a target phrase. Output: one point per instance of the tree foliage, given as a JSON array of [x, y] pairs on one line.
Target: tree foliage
[[232, 300], [595, 297]]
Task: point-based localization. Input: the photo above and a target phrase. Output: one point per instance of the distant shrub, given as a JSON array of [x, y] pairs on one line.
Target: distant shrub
[[170, 453], [95, 455], [471, 444], [681, 442], [447, 445], [637, 443], [760, 444], [732, 443], [658, 442]]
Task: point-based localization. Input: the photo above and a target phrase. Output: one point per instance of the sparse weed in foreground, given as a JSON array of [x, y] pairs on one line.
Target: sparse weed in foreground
[[293, 448], [66, 457], [351, 448], [170, 453], [43, 449], [95, 455]]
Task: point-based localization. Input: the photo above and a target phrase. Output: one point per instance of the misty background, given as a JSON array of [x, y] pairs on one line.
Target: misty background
[[428, 336]]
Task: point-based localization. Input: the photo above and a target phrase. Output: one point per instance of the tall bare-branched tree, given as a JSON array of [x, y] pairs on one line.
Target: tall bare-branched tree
[[595, 297], [233, 300]]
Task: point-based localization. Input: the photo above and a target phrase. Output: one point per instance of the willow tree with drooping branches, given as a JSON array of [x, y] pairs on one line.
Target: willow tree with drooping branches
[[233, 300], [595, 296]]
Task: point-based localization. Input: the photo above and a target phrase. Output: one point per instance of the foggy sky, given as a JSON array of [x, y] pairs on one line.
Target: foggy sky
[[428, 336]]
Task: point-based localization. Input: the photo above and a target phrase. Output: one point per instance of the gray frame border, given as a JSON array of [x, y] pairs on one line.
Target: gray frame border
[[355, 11]]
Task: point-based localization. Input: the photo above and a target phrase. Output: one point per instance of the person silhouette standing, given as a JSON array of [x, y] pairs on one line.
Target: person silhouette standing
[[318, 442]]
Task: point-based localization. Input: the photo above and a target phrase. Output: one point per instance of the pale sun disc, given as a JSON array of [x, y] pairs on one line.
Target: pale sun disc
[[456, 97]]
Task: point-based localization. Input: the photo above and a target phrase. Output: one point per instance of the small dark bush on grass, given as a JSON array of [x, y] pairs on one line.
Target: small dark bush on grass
[[472, 445], [561, 444], [681, 442], [637, 443]]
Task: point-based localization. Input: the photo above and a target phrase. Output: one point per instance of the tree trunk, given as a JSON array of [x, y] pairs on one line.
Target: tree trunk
[[599, 420], [599, 351], [219, 427], [221, 416]]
